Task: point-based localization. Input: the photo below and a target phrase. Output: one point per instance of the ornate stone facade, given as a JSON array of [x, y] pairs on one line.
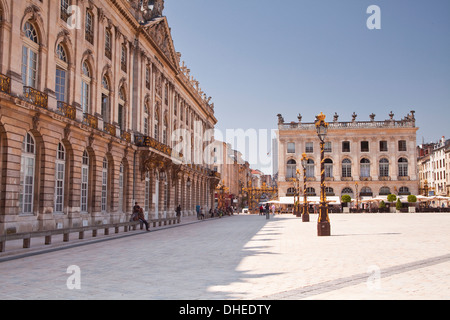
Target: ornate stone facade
[[91, 96], [433, 166], [235, 174], [364, 158]]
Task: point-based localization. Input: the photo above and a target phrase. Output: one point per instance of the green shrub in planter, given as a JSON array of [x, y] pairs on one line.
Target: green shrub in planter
[[382, 205], [412, 199], [346, 199], [399, 204], [391, 197]]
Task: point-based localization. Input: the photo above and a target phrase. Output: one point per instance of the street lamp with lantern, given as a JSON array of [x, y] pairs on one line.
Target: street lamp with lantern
[[296, 183], [305, 216], [296, 180], [221, 196], [323, 224], [188, 185]]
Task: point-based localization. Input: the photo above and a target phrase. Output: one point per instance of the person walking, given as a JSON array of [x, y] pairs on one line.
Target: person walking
[[178, 211], [197, 209]]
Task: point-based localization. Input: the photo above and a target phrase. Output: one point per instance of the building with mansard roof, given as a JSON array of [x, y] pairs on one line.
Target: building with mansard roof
[[97, 111]]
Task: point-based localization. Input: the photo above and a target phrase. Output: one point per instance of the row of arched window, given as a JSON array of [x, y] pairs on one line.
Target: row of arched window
[[346, 168], [28, 172], [30, 167], [365, 191], [30, 62], [29, 67], [162, 135]]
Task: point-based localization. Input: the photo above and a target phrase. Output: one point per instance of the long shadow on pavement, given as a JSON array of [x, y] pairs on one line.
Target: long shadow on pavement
[[196, 261]]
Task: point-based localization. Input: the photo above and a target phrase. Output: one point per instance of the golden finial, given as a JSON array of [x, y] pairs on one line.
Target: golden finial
[[321, 117], [321, 120]]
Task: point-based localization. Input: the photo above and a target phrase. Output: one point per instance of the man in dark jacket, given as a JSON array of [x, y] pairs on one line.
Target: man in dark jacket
[[141, 217]]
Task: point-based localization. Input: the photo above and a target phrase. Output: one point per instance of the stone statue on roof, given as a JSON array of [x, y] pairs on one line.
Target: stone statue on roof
[[151, 9]]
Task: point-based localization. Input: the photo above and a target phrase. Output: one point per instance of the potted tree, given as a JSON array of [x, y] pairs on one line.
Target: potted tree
[[398, 205], [412, 199], [345, 200], [391, 199], [382, 206]]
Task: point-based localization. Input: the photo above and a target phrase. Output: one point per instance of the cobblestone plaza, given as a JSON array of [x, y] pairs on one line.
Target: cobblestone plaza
[[368, 256]]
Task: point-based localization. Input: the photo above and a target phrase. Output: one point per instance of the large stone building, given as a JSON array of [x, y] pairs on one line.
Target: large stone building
[[433, 166], [447, 168], [92, 94], [235, 174], [362, 158]]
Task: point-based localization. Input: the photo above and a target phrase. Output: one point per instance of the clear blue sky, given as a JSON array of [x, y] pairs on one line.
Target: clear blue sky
[[258, 58]]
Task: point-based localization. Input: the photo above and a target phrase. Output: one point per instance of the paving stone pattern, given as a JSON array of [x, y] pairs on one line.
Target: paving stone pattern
[[368, 256]]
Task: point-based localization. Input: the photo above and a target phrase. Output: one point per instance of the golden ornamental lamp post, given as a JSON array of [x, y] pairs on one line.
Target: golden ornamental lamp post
[[221, 195], [294, 183], [249, 191], [297, 191], [323, 224], [305, 216]]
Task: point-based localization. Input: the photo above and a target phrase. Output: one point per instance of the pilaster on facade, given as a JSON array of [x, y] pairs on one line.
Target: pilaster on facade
[[85, 130], [379, 156]]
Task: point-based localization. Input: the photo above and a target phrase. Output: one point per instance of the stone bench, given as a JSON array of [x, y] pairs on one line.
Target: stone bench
[[165, 221], [127, 226], [27, 236]]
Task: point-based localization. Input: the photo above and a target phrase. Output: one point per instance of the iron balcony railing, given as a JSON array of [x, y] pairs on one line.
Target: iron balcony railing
[[90, 120], [126, 136], [35, 97], [5, 84], [66, 110], [145, 141], [109, 128]]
